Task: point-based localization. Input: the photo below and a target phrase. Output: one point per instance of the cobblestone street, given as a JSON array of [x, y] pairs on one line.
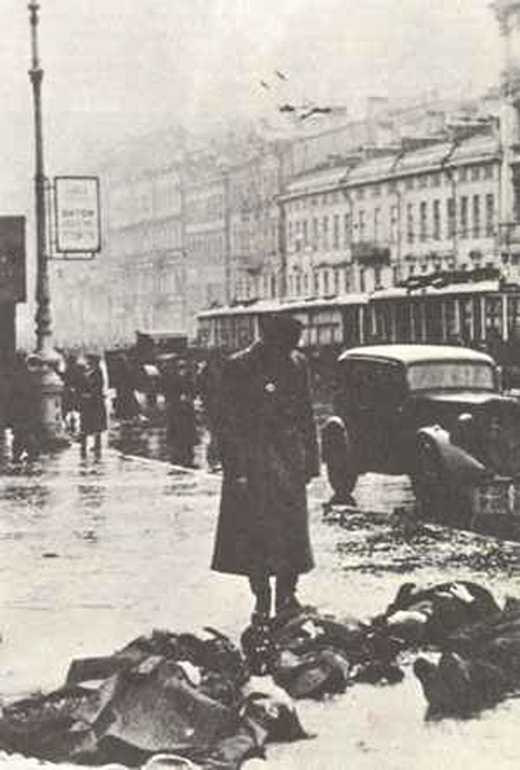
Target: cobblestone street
[[96, 553]]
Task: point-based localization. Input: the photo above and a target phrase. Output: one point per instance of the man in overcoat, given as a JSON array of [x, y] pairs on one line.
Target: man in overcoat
[[93, 414], [269, 452]]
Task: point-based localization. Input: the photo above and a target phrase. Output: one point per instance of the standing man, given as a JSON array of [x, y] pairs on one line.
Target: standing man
[[269, 453], [93, 413]]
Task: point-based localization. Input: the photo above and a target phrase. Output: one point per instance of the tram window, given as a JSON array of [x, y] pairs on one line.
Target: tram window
[[513, 313]]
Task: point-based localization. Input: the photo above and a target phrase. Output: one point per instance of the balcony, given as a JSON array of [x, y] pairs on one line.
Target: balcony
[[370, 253]]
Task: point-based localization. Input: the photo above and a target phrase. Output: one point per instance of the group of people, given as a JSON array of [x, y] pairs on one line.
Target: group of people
[[259, 411], [83, 402]]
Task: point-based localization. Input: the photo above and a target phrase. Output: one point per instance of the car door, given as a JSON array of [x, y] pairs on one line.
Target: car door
[[374, 393]]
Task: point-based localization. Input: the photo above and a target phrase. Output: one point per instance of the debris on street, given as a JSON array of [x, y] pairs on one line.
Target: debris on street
[[196, 697]]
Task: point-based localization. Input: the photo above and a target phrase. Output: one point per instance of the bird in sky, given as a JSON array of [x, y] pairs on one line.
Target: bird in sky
[[316, 111], [265, 85], [281, 75]]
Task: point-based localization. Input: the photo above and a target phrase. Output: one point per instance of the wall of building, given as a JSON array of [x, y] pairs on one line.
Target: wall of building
[[379, 222]]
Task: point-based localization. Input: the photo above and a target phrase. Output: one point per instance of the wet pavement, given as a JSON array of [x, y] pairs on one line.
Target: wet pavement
[[94, 553]]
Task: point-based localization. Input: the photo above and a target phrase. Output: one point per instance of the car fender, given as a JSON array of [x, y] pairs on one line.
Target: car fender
[[460, 466]]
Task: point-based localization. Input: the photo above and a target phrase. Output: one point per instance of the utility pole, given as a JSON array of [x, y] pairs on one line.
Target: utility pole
[[50, 384]]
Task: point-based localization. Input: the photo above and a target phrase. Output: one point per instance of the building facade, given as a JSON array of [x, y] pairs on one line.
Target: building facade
[[371, 222]]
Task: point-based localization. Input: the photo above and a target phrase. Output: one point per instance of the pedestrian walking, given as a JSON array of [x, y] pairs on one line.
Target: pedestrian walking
[[269, 452], [181, 423], [122, 375], [72, 377], [23, 400], [93, 414]]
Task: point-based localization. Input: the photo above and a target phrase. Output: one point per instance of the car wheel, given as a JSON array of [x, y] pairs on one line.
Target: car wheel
[[339, 455]]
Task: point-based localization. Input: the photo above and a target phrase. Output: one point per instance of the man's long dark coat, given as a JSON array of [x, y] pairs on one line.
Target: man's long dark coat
[[267, 435]]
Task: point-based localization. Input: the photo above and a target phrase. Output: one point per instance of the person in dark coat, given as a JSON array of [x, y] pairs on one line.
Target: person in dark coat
[[208, 387], [72, 378], [93, 414], [181, 426], [23, 401], [269, 451]]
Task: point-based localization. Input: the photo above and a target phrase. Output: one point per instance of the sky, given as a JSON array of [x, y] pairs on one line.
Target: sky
[[116, 69]]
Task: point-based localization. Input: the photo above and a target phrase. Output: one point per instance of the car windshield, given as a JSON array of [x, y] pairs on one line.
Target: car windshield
[[460, 375]]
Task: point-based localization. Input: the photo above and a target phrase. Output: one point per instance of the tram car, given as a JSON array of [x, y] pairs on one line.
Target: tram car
[[482, 314]]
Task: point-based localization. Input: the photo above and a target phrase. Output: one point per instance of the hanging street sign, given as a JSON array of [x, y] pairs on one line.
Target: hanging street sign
[[77, 214], [12, 259]]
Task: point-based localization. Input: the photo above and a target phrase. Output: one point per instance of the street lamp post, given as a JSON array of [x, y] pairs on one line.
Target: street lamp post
[[50, 384]]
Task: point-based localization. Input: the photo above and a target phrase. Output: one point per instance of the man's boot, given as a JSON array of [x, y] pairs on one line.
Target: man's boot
[[286, 600], [261, 588]]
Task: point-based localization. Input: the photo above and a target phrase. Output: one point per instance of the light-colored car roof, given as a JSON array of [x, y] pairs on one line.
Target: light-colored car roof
[[409, 354]]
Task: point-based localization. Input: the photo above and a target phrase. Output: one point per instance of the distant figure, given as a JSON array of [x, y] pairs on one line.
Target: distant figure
[[269, 451], [126, 403], [181, 426], [208, 387], [23, 402], [72, 377], [93, 414]]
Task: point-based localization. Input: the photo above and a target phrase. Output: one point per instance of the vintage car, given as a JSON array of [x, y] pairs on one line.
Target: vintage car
[[433, 412]]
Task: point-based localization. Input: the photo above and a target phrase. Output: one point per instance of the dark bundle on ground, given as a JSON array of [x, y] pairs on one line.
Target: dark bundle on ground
[[166, 692], [480, 666]]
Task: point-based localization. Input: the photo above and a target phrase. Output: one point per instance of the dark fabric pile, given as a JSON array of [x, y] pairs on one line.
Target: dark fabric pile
[[479, 666], [196, 697], [164, 693]]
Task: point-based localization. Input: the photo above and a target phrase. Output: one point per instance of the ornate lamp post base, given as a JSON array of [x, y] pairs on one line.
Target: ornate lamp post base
[[50, 422]]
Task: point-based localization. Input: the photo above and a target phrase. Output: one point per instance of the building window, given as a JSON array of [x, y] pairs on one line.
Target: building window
[[394, 213], [436, 180], [360, 194], [410, 235], [423, 221], [376, 191], [298, 240], [476, 216], [361, 224], [377, 223], [336, 243], [464, 216], [305, 233], [336, 281], [325, 226], [463, 174], [347, 229], [423, 181], [326, 282], [315, 233], [489, 171], [490, 213], [450, 211], [409, 183], [475, 174], [436, 220], [316, 283]]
